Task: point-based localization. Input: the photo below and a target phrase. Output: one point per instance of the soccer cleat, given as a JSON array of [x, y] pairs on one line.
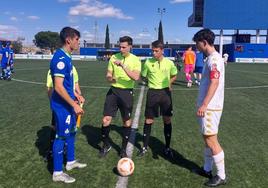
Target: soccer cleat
[[142, 152], [189, 84], [123, 153], [104, 150], [168, 153], [196, 82], [63, 178], [75, 165], [202, 172], [215, 181]]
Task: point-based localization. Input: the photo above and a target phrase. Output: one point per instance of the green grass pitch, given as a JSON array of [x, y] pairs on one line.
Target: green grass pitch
[[25, 119]]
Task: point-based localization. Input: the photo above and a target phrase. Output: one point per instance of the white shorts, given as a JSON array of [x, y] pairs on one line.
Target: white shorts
[[209, 124]]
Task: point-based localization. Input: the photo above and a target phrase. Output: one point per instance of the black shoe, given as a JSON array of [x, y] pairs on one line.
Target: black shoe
[[104, 150], [123, 153], [215, 181], [142, 152], [202, 172], [168, 153]]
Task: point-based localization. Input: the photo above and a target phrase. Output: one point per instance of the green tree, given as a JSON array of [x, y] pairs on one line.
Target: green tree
[[160, 32], [107, 38], [47, 40]]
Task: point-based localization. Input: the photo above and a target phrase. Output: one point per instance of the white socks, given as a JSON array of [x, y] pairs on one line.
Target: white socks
[[70, 162], [219, 163], [56, 173], [208, 159]]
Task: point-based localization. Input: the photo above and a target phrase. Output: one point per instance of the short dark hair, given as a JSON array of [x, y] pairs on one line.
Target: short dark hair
[[68, 32], [126, 39], [204, 35], [158, 44]]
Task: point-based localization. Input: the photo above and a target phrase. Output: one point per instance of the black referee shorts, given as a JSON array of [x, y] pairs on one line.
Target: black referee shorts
[[121, 99], [53, 120], [158, 99]]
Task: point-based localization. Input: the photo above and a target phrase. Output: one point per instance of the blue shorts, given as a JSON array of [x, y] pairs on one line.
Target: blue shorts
[[198, 70], [65, 122], [4, 65]]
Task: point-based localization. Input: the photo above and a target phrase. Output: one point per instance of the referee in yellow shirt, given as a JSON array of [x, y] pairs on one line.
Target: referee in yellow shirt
[[123, 70], [161, 73]]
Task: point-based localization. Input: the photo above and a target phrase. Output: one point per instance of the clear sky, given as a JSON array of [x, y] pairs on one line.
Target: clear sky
[[137, 18]]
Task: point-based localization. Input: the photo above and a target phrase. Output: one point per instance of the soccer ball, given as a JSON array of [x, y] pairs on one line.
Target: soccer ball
[[125, 166]]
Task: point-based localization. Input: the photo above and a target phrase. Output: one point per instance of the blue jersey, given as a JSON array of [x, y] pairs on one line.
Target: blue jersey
[[5, 56], [61, 66], [199, 61]]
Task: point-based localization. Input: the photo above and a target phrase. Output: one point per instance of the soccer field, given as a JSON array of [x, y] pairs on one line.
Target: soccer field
[[25, 119]]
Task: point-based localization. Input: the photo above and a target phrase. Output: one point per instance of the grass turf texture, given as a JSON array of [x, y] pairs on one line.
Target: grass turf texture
[[25, 118]]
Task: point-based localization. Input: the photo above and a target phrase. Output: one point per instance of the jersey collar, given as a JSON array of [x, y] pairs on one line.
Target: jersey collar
[[69, 55]]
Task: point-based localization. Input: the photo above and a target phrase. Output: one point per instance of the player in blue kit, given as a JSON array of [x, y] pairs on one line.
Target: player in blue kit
[[5, 62], [63, 105], [11, 61], [199, 61]]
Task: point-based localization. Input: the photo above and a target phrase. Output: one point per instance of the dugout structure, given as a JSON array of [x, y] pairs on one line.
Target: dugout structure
[[234, 15]]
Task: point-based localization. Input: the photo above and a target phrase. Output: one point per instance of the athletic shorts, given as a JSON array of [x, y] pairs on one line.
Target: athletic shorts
[[4, 65], [65, 122], [209, 124], [198, 70], [117, 98], [188, 68], [158, 99], [53, 121]]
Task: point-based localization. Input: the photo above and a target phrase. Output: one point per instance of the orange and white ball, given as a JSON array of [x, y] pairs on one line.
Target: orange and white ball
[[125, 166]]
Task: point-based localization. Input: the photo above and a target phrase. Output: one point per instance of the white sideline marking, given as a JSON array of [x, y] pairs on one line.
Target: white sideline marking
[[28, 82], [252, 72], [123, 181], [181, 89], [30, 69]]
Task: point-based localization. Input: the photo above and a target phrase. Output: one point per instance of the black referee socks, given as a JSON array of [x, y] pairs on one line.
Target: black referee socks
[[167, 133], [146, 134]]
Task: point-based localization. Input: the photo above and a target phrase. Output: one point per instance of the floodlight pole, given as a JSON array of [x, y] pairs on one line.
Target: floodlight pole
[[221, 42], [161, 11], [267, 37], [257, 36]]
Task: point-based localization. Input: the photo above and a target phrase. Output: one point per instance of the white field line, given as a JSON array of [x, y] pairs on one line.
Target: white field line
[[251, 72], [123, 181], [181, 89]]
